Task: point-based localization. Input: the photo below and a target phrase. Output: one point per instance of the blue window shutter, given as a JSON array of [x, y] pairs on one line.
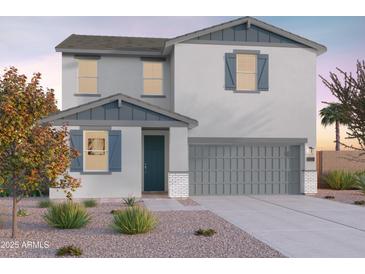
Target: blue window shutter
[[230, 71], [76, 142], [115, 151], [263, 72]]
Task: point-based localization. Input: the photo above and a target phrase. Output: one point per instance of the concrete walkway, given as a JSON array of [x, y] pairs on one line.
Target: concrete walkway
[[297, 226], [166, 204]]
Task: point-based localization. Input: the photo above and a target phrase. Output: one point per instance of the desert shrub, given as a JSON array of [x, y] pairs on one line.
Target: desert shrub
[[45, 203], [361, 202], [340, 180], [360, 182], [205, 232], [90, 203], [66, 215], [129, 201], [22, 212], [133, 220], [69, 250]]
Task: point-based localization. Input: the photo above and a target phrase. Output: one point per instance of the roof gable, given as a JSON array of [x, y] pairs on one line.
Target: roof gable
[[246, 29], [119, 109], [245, 33]]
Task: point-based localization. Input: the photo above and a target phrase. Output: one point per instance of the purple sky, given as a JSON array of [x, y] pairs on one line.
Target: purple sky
[[28, 43]]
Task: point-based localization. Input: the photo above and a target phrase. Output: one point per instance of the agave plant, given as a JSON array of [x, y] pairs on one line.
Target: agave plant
[[133, 220], [67, 215], [69, 250], [22, 212], [130, 201]]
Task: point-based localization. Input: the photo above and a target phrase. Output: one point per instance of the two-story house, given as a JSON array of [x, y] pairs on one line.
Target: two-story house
[[226, 110]]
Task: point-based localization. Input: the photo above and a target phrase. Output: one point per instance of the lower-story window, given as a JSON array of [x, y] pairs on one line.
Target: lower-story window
[[95, 150]]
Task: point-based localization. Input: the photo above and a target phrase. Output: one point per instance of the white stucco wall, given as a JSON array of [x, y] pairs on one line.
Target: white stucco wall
[[178, 147], [116, 74], [128, 182], [287, 110]]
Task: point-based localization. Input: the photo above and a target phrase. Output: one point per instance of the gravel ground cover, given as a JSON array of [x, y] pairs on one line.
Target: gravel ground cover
[[344, 196], [173, 237]]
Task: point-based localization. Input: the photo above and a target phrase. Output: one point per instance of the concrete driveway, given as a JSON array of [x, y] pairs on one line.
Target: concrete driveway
[[297, 226]]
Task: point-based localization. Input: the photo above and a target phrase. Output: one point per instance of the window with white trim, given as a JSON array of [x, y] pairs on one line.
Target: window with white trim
[[87, 76], [246, 72], [96, 150], [152, 78]]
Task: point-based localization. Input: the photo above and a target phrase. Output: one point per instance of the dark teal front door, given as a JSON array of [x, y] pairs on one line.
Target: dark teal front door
[[154, 163]]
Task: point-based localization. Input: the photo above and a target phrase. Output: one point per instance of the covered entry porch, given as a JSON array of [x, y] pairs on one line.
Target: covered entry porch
[[127, 147]]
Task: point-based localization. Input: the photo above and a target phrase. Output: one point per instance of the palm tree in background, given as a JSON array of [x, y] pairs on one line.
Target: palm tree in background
[[333, 114]]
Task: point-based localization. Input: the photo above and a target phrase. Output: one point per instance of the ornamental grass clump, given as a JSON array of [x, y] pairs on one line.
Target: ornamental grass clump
[[90, 203], [45, 203], [69, 250], [360, 182], [340, 180], [133, 220], [67, 215]]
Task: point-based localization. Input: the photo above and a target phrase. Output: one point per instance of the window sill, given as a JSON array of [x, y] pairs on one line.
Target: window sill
[[88, 94], [246, 91], [95, 172], [153, 96]]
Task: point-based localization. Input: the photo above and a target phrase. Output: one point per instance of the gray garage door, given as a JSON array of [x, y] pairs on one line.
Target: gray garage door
[[235, 169]]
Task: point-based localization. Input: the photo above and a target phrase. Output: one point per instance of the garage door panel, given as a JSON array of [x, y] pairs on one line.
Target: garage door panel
[[275, 188], [261, 188], [237, 169]]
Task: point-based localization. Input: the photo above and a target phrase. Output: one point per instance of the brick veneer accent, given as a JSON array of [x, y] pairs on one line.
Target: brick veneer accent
[[310, 181], [178, 184]]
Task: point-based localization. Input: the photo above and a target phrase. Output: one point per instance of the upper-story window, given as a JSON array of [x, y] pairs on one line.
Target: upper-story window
[[88, 76], [152, 78], [246, 72]]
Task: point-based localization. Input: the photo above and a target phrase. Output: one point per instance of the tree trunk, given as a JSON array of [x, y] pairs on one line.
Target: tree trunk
[[337, 136], [14, 224]]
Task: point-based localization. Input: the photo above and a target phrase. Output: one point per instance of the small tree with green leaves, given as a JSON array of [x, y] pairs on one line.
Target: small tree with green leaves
[[33, 156], [349, 89]]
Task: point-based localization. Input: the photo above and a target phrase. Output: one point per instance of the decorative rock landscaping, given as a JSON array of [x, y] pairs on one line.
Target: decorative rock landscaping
[[173, 236]]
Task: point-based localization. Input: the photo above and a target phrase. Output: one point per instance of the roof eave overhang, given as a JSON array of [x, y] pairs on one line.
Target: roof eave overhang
[[149, 53]]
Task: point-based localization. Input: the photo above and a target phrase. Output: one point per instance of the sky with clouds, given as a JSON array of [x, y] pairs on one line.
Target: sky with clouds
[[28, 43]]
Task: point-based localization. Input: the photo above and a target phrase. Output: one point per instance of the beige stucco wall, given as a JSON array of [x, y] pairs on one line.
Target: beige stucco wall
[[340, 160]]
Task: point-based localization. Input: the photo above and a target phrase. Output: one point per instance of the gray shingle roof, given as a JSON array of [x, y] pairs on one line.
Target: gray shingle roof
[[95, 42]]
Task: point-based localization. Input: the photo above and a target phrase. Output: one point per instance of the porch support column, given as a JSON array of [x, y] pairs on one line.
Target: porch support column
[[178, 175]]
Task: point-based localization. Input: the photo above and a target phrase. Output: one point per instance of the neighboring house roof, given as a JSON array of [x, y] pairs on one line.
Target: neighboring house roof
[[134, 112], [111, 43], [161, 46]]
